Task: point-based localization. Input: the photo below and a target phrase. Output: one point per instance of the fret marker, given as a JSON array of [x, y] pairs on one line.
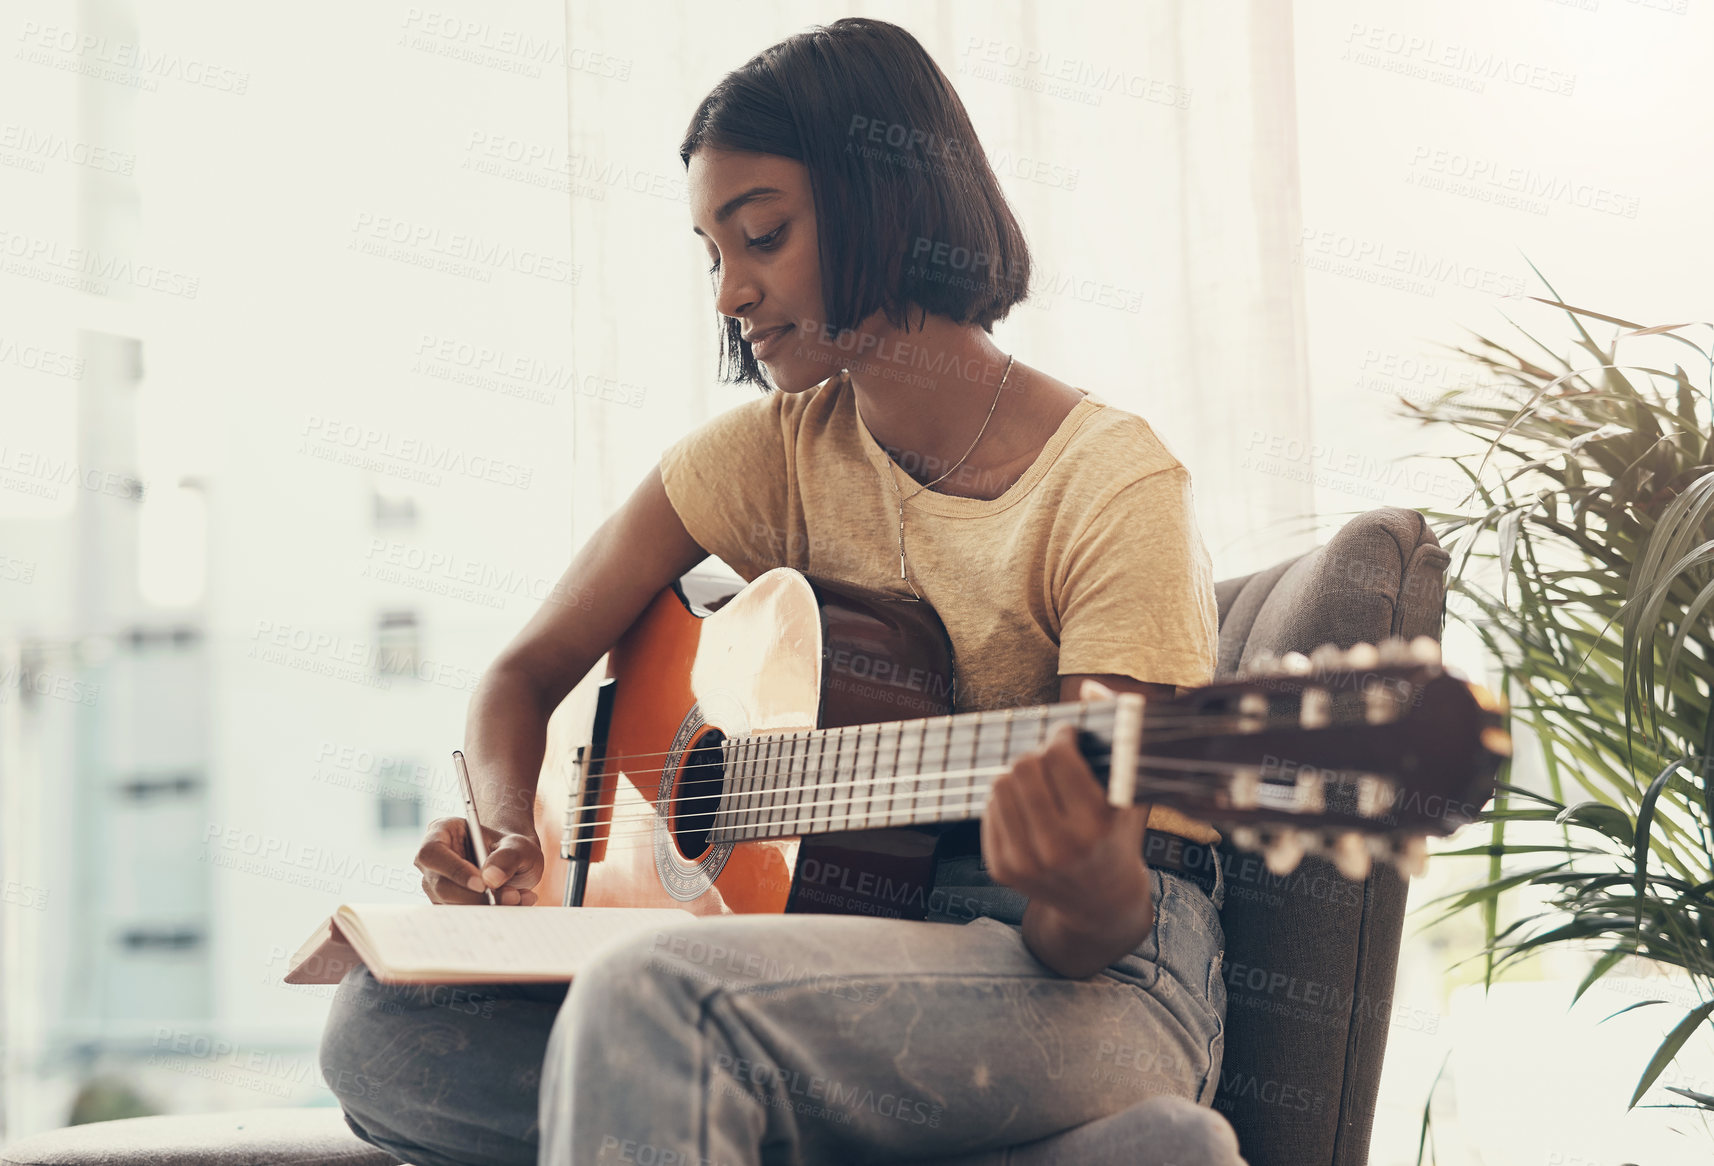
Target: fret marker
[[1127, 744]]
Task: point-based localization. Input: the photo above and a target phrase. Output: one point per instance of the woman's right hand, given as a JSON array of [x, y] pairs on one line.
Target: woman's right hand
[[514, 865]]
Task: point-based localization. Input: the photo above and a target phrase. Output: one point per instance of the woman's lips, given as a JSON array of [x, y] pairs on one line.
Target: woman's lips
[[765, 346]]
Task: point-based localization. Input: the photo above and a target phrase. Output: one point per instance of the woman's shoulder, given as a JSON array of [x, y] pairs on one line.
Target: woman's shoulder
[[1113, 440]]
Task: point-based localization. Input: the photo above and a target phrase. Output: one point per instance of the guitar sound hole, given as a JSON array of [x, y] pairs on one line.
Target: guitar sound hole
[[696, 795]]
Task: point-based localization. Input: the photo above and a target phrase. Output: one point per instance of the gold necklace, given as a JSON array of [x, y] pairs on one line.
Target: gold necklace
[[893, 478]]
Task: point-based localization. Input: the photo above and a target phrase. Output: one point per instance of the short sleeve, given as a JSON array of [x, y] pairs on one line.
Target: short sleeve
[[1135, 591], [729, 479]]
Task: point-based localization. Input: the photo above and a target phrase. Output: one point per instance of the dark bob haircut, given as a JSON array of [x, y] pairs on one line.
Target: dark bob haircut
[[908, 211]]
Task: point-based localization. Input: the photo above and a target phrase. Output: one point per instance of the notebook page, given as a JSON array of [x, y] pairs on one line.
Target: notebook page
[[427, 940]]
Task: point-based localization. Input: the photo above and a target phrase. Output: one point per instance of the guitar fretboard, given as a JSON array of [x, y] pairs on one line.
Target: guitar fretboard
[[894, 773]]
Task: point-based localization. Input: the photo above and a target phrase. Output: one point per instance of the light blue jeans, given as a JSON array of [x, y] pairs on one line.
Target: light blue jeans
[[747, 1040]]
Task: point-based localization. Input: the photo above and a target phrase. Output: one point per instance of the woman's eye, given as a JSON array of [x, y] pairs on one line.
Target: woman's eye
[[765, 243]]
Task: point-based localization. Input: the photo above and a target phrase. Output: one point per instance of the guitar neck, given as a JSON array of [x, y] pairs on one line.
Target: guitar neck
[[892, 773], [1378, 743]]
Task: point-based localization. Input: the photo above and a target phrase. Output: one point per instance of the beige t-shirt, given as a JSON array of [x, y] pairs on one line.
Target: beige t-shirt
[[1090, 562]]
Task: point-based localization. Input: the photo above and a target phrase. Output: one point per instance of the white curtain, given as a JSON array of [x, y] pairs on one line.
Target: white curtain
[[1149, 150]]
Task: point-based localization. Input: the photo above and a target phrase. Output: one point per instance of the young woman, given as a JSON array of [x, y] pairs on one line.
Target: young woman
[[1064, 1002]]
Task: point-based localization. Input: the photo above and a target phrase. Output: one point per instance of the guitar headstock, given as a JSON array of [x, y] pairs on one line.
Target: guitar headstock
[[1356, 753]]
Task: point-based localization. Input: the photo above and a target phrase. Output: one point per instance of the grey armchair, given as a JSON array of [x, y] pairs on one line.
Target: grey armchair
[[1310, 958]]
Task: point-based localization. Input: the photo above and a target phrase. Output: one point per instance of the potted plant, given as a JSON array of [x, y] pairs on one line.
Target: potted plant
[[1592, 504]]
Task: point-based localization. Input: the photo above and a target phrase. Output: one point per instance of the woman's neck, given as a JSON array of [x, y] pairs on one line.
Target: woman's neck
[[925, 395]]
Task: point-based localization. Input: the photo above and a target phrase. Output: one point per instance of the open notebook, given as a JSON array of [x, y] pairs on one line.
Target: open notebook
[[429, 943]]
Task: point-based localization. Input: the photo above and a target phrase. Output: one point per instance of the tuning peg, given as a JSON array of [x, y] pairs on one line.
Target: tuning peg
[[1252, 712], [1425, 650], [1245, 788], [1485, 699], [1350, 854], [1294, 663], [1326, 656], [1496, 741], [1246, 838], [1394, 650], [1380, 705], [1283, 852], [1315, 708], [1362, 656], [1263, 661], [1410, 855], [1374, 795]]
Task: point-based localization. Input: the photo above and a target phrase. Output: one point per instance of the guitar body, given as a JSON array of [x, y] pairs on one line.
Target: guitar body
[[785, 654]]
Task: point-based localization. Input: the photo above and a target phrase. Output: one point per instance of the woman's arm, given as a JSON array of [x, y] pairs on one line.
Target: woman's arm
[[641, 548], [1050, 834]]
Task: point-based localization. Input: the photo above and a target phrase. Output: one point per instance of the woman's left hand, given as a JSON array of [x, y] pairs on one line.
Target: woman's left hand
[[1050, 833]]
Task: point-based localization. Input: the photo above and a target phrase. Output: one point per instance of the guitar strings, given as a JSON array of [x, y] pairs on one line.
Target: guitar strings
[[647, 812], [1186, 721], [732, 800], [821, 814], [730, 765]]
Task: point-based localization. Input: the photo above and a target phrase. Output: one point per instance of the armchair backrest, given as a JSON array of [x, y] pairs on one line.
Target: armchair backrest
[[1311, 956]]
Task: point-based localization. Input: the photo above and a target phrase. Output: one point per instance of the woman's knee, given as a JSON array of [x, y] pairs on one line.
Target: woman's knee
[[652, 982], [366, 1017], [1185, 1131]]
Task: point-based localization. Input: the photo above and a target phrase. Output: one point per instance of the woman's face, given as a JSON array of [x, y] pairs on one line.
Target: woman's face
[[756, 217]]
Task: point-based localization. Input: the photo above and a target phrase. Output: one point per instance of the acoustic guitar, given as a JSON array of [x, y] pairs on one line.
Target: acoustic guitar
[[791, 746]]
